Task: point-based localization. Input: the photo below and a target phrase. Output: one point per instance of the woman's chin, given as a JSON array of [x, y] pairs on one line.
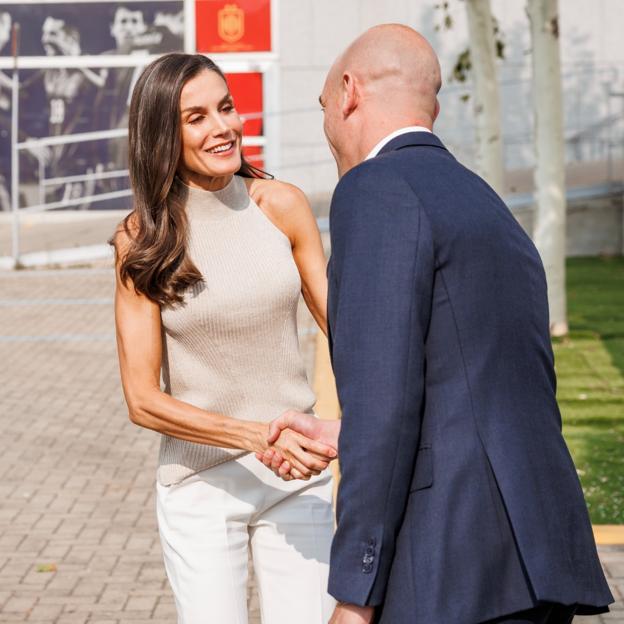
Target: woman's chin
[[219, 170], [224, 165]]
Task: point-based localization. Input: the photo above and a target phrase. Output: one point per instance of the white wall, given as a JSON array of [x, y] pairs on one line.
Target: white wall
[[313, 32]]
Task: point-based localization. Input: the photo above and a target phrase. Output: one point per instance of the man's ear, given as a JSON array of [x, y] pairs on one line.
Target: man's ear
[[350, 95], [436, 111]]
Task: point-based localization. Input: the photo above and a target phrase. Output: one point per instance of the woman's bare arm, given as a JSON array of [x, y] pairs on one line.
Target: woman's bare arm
[[139, 344], [290, 211], [288, 208]]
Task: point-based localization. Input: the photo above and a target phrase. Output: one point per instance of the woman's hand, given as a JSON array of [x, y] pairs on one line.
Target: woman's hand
[[304, 457], [309, 426]]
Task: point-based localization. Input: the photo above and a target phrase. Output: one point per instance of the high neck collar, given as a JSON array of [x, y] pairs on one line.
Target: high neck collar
[[220, 203]]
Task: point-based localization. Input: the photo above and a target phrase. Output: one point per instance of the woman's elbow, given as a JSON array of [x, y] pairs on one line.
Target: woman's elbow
[[136, 415], [139, 411]]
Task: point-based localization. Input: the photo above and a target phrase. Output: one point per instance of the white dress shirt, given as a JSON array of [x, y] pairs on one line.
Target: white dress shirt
[[395, 134]]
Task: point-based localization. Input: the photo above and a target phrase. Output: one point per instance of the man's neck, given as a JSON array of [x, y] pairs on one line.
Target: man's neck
[[372, 145], [386, 138]]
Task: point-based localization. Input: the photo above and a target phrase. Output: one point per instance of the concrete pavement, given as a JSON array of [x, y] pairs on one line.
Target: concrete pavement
[[78, 538]]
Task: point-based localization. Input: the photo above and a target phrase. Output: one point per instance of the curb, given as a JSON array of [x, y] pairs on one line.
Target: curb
[[609, 534]]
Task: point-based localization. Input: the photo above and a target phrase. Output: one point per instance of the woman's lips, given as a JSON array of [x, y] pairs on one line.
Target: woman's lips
[[227, 152]]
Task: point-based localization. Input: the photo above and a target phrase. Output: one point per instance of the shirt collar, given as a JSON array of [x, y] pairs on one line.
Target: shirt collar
[[395, 134]]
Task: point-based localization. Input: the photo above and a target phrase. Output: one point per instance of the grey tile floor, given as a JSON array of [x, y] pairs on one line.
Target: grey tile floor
[[78, 539]]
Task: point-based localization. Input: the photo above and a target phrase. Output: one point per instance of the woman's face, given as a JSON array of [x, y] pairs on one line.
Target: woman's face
[[211, 132]]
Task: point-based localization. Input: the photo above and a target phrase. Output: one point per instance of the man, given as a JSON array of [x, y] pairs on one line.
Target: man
[[113, 99], [127, 26], [459, 502], [71, 93], [132, 35]]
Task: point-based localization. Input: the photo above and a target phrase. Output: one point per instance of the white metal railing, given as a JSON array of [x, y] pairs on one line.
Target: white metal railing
[[14, 152], [97, 175], [76, 201], [79, 137], [35, 145], [68, 139], [573, 138]]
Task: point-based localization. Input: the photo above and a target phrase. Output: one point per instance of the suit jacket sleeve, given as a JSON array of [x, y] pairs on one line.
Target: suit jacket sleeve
[[381, 279]]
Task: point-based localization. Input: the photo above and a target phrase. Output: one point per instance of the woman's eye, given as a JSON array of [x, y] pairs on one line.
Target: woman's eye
[[228, 108], [193, 120]]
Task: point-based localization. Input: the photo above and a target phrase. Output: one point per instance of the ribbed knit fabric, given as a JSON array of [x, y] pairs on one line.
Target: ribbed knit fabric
[[232, 346]]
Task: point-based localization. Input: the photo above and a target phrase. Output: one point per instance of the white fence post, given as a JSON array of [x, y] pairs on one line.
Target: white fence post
[[14, 152]]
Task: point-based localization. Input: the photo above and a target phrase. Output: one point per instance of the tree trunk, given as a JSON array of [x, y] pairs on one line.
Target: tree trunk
[[549, 231], [486, 99]]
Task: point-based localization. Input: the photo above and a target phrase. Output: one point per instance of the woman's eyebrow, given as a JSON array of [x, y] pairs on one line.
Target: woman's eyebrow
[[198, 109], [193, 109]]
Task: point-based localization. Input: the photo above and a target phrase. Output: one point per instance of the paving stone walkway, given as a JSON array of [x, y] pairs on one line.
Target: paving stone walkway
[[78, 539]]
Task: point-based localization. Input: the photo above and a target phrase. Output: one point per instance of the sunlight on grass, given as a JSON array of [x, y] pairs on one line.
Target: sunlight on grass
[[590, 373]]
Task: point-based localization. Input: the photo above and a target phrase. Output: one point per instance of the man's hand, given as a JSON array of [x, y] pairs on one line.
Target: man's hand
[[325, 431], [306, 456], [352, 614]]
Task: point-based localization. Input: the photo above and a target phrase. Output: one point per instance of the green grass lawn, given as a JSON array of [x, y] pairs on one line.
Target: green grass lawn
[[590, 373]]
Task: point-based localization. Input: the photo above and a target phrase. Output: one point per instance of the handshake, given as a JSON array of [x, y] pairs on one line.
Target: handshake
[[299, 445]]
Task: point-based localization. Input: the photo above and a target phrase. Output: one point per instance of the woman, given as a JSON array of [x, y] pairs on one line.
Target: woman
[[210, 265]]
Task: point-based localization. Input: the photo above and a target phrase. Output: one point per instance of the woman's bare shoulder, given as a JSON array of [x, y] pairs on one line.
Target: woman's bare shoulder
[[281, 199], [125, 233]]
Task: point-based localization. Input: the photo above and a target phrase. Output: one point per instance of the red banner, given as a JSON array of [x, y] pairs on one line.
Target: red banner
[[246, 89], [240, 26]]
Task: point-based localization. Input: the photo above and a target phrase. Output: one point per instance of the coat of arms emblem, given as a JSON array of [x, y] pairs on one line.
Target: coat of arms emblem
[[231, 23]]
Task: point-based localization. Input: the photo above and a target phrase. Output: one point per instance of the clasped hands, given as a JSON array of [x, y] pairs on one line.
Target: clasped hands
[[300, 445]]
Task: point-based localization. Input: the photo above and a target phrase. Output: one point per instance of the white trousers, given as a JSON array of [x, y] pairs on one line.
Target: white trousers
[[209, 523]]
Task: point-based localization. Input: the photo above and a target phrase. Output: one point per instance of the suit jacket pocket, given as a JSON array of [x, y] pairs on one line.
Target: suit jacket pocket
[[423, 472]]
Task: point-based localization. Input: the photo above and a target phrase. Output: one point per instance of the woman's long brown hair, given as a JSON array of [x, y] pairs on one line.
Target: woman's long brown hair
[[156, 260]]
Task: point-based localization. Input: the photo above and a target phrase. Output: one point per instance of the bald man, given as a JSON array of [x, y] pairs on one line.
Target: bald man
[[459, 502]]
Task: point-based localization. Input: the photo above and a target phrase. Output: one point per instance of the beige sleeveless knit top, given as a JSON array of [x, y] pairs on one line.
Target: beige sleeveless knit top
[[232, 347]]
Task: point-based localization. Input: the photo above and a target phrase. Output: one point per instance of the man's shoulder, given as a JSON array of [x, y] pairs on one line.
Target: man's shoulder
[[370, 178], [370, 193], [371, 167]]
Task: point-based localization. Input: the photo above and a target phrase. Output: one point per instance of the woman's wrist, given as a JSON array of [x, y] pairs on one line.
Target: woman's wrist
[[256, 436]]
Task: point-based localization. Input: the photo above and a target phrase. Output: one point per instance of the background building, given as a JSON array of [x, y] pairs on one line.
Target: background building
[[79, 61]]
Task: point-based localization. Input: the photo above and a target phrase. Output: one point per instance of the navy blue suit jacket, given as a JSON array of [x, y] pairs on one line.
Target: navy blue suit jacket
[[459, 501]]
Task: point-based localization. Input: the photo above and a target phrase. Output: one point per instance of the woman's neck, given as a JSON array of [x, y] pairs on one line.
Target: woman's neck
[[206, 183]]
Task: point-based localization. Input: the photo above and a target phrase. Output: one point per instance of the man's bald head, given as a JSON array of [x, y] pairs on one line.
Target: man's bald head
[[391, 76], [393, 60]]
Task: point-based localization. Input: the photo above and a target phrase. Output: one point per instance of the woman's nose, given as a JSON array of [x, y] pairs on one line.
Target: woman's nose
[[219, 125]]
